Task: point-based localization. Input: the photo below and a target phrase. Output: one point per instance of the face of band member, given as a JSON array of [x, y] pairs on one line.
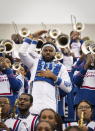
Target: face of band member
[[8, 62], [24, 102], [86, 108], [44, 126], [48, 115], [75, 35], [90, 59], [5, 105], [48, 53]]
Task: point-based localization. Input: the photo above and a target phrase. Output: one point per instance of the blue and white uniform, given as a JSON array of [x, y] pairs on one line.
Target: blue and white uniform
[[76, 47], [15, 125], [29, 120], [9, 85], [85, 80], [44, 89]]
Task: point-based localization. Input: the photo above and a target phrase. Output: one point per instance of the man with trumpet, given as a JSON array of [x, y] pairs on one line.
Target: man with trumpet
[[75, 43], [9, 84], [47, 74]]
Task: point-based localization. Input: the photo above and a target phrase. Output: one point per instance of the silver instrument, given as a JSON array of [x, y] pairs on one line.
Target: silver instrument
[[92, 48], [58, 56], [88, 47], [7, 46], [24, 32], [79, 27], [16, 66], [62, 41], [54, 33]]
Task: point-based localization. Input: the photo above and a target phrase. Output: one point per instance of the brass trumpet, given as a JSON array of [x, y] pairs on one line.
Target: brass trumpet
[[88, 47], [58, 56], [16, 66], [62, 41], [92, 48], [81, 121], [8, 46], [24, 32], [54, 33], [79, 27]]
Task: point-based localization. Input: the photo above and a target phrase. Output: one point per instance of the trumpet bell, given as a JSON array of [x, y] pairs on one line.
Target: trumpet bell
[[54, 33], [79, 27], [92, 48], [16, 66], [62, 41], [24, 32], [58, 56], [39, 45], [86, 46], [9, 45], [2, 48]]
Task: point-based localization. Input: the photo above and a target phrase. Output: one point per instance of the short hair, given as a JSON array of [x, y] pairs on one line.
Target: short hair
[[31, 97]]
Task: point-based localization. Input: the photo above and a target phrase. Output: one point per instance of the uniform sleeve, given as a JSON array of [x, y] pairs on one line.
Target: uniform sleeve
[[26, 52], [78, 78], [15, 83], [63, 80]]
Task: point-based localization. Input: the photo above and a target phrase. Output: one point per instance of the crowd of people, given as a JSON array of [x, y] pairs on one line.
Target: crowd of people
[[50, 89]]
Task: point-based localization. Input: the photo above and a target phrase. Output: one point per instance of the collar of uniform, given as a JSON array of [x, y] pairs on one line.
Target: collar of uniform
[[23, 116]]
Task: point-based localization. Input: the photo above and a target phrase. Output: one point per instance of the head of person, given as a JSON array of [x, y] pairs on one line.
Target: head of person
[[91, 58], [25, 101], [87, 109], [3, 62], [17, 38], [73, 128], [44, 126], [51, 116], [5, 106], [74, 35], [48, 51]]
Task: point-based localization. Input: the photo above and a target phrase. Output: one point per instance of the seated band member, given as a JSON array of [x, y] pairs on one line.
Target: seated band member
[[48, 74], [84, 117], [7, 123], [52, 117], [25, 101]]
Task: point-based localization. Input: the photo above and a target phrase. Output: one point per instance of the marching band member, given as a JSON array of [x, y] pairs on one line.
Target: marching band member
[[9, 84], [47, 73], [84, 80], [22, 76], [84, 117], [52, 117], [25, 101], [7, 123], [75, 43]]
